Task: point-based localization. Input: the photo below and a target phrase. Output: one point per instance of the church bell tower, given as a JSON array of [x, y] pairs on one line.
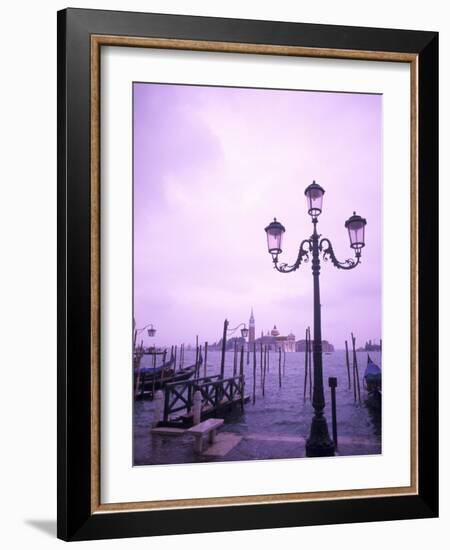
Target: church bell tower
[[251, 329]]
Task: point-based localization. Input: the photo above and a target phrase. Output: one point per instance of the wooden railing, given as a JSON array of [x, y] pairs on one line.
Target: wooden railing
[[215, 392]]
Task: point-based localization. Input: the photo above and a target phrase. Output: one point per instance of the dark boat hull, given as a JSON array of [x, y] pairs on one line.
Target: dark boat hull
[[372, 376], [373, 400], [149, 381]]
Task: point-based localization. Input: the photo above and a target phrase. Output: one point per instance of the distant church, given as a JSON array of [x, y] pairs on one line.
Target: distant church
[[251, 330], [274, 341]]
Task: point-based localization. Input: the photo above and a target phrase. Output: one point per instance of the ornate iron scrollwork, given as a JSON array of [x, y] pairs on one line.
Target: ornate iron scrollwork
[[327, 251], [303, 256]]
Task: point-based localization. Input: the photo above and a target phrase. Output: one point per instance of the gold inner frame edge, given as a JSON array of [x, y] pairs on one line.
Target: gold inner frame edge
[[97, 41]]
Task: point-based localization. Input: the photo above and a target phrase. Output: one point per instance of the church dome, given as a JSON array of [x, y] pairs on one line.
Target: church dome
[[275, 331], [291, 336]]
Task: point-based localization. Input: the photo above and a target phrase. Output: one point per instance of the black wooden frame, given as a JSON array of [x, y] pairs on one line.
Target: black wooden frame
[[75, 521]]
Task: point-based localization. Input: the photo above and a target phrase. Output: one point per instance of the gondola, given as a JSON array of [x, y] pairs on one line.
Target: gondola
[[154, 351], [149, 379], [372, 375], [372, 378]]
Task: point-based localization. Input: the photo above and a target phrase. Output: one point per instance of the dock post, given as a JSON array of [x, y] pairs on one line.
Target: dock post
[[306, 365], [310, 362], [153, 377], [224, 345], [355, 367], [235, 359], [198, 365], [138, 376], [157, 416], [196, 356], [242, 377], [348, 365], [264, 372], [197, 408], [261, 362], [254, 373], [332, 382], [279, 367], [205, 368]]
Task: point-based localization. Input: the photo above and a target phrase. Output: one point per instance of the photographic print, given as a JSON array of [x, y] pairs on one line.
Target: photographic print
[[257, 234]]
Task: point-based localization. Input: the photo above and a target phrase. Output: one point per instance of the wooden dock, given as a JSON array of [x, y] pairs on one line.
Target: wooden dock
[[219, 396]]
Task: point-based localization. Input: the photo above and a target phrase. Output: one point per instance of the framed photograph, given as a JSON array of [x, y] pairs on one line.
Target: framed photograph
[[248, 303]]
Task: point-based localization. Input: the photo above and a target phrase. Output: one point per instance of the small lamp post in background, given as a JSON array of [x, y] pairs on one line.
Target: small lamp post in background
[[244, 330], [319, 442], [151, 331], [230, 331]]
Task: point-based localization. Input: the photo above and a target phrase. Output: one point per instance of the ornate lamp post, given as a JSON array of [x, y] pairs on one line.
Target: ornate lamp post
[[319, 442]]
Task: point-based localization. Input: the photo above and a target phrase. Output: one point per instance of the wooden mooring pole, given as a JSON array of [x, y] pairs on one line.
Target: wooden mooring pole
[[279, 367], [224, 344], [261, 363], [196, 350], [242, 377], [153, 377], [254, 373], [162, 370], [205, 368], [355, 368], [348, 365], [264, 372], [138, 376], [234, 359], [197, 370], [310, 363]]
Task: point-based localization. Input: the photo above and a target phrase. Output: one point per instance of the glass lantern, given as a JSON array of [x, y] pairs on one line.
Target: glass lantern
[[274, 233], [314, 195], [355, 225]]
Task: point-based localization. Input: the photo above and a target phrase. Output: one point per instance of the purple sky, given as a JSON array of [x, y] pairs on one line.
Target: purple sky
[[212, 167]]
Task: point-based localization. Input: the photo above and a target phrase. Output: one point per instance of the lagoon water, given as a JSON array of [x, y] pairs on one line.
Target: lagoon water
[[277, 425]]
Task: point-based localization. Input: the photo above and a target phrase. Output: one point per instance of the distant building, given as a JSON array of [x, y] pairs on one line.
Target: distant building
[[300, 345], [372, 346], [290, 342], [251, 330], [275, 341]]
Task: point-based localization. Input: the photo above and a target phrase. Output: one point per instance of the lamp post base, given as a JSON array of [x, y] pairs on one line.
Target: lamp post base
[[319, 442]]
